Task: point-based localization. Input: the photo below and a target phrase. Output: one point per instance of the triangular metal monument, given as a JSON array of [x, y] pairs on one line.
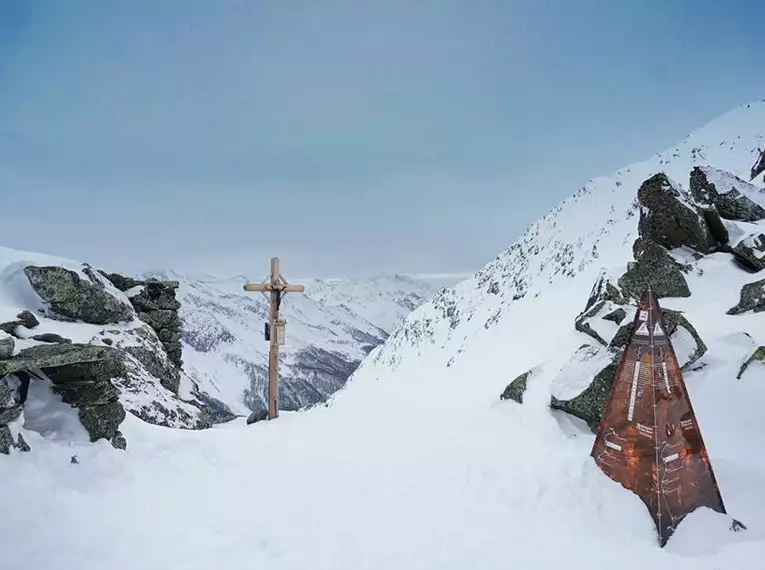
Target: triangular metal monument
[[648, 439]]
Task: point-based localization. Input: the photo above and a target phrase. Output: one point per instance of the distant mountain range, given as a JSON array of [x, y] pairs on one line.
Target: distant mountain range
[[330, 329]]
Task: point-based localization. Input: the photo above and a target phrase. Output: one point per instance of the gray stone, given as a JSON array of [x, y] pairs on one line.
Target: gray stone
[[51, 337], [616, 316], [161, 319], [603, 295], [257, 416], [52, 355], [654, 268], [119, 441], [7, 344], [589, 404], [752, 298], [516, 388], [9, 327], [670, 219], [8, 415], [731, 204], [28, 319], [6, 440], [22, 445], [70, 296], [759, 166], [750, 252]]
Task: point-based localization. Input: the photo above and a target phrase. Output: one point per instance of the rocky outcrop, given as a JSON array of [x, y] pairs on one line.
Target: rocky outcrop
[[516, 388], [670, 219], [655, 268], [73, 297], [155, 303], [727, 193], [603, 304], [752, 298]]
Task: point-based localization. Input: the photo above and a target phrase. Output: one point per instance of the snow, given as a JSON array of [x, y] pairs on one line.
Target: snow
[[724, 183], [416, 463], [46, 414]]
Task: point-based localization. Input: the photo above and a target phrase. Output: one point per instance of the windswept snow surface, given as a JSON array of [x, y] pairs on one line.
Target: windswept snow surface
[[416, 464]]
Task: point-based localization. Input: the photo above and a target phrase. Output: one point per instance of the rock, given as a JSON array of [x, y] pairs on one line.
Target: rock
[[727, 193], [22, 445], [604, 299], [88, 387], [654, 268], [10, 327], [6, 440], [589, 404], [669, 218], [76, 298], [108, 341], [121, 282], [51, 337], [688, 345], [759, 166], [28, 319], [757, 358], [616, 316], [119, 441], [752, 299], [52, 355], [151, 357], [750, 252], [516, 388], [716, 225], [257, 416], [7, 344]]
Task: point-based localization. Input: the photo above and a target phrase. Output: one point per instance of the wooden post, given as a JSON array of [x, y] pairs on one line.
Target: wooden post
[[275, 287]]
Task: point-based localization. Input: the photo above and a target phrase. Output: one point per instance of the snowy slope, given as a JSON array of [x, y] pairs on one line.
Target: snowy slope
[[330, 329], [416, 463]]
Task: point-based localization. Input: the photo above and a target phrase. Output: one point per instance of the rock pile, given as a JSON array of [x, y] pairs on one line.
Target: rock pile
[[671, 221]]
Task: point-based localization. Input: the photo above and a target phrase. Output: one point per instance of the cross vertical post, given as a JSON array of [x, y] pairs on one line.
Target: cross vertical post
[[275, 287]]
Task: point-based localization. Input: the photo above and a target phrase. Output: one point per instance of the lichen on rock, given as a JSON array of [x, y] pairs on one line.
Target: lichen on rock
[[73, 297], [757, 359], [654, 268], [516, 388], [752, 298]]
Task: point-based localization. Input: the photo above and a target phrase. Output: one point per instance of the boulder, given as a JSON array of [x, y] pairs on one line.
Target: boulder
[[88, 387], [76, 298], [750, 252], [603, 304], [687, 344], [51, 337], [654, 268], [516, 388], [729, 194], [53, 355], [28, 319], [582, 386], [7, 344], [756, 359], [670, 218], [752, 299]]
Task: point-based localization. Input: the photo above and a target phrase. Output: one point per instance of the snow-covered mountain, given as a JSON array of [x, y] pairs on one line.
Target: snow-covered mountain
[[417, 462], [330, 329]]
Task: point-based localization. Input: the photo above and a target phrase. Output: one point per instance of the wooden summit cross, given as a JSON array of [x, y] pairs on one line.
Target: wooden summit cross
[[277, 286]]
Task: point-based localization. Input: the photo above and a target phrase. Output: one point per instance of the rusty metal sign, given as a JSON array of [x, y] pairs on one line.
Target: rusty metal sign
[[648, 439]]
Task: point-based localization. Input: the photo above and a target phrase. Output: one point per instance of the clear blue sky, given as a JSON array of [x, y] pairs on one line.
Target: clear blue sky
[[347, 137]]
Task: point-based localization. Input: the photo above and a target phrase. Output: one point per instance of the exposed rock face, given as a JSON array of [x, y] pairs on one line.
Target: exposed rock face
[[11, 407], [603, 304], [155, 303], [73, 297], [730, 200], [669, 218], [654, 268], [516, 388], [88, 387], [752, 298], [7, 344]]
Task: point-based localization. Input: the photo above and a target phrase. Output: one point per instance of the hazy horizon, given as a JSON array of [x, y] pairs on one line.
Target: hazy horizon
[[348, 140]]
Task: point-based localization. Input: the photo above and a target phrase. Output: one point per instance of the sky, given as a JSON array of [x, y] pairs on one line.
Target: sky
[[348, 138]]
